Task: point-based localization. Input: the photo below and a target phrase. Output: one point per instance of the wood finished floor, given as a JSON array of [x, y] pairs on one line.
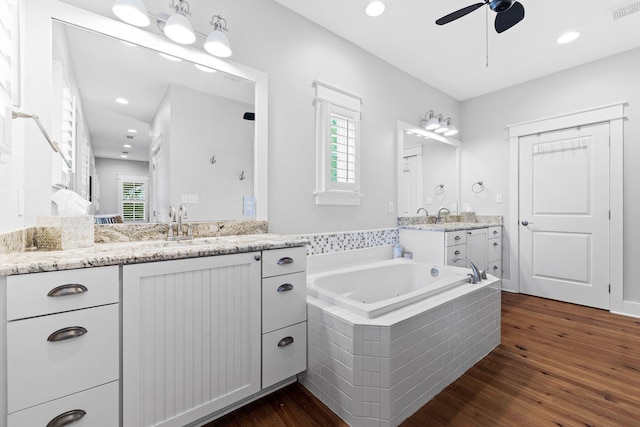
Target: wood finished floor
[[558, 364]]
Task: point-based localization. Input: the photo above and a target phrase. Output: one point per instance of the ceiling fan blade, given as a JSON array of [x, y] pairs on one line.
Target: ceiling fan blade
[[510, 17], [459, 13]]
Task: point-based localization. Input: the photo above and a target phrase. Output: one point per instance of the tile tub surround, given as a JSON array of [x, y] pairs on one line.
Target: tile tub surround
[[137, 252], [372, 374], [323, 243]]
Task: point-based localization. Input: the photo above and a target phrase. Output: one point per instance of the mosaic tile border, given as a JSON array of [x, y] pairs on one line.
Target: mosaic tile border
[[324, 243]]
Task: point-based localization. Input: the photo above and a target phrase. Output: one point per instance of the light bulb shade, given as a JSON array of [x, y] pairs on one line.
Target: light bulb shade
[[179, 29], [452, 131], [432, 123], [442, 129], [132, 12], [217, 44]]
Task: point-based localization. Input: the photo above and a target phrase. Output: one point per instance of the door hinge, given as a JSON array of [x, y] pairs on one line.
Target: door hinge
[[609, 213], [609, 288]]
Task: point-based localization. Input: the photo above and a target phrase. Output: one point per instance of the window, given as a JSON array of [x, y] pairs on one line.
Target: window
[[133, 198], [338, 146]]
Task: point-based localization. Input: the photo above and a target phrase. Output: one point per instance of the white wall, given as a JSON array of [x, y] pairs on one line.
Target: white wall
[[107, 171], [485, 149]]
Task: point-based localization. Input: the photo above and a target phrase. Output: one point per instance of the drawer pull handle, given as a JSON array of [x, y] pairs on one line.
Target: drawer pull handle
[[456, 253], [67, 418], [70, 289], [67, 333], [457, 238], [495, 244], [286, 260], [285, 288], [285, 341]]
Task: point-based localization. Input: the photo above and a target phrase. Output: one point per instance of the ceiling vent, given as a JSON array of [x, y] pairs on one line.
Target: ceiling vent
[[625, 10]]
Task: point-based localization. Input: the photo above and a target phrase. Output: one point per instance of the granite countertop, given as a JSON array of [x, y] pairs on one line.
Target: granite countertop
[[450, 226], [102, 254]]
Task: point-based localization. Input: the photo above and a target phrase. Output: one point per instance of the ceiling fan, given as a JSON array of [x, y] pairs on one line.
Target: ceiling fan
[[509, 13]]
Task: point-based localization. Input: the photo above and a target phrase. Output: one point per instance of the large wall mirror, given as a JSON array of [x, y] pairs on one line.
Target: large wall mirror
[[194, 126], [428, 171]]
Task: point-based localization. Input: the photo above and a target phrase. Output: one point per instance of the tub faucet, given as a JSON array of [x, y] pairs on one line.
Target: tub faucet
[[473, 278], [439, 217], [426, 212]]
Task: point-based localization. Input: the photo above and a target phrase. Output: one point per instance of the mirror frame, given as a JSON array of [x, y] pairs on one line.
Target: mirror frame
[[403, 127], [72, 15]]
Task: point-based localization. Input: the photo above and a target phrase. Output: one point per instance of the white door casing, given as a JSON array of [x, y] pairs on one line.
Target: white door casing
[[613, 114], [564, 214]]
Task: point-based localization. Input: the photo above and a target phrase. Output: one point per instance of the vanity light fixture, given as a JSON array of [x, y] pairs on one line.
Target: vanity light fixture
[[451, 129], [444, 127], [432, 122], [177, 26], [217, 43], [132, 12], [375, 8]]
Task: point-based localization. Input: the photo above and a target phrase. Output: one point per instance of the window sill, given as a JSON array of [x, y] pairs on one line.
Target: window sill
[[339, 198]]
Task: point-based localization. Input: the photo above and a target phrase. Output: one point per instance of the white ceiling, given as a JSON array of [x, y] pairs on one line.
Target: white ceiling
[[452, 57]]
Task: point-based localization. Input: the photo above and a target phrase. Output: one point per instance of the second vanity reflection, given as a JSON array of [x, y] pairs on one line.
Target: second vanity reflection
[[184, 129]]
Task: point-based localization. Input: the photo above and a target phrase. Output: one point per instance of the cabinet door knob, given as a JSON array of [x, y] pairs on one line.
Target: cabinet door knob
[[68, 289], [495, 267], [285, 341], [457, 238], [456, 253], [285, 288], [67, 418], [67, 333], [495, 244], [257, 257], [495, 231], [286, 260]]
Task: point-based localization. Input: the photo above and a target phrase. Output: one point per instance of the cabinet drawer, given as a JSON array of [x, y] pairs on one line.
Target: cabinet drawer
[[284, 353], [284, 301], [495, 269], [455, 251], [494, 250], [99, 404], [494, 232], [455, 238], [27, 294], [284, 261], [39, 370]]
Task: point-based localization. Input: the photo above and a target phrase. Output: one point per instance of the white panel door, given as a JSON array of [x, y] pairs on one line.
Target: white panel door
[[191, 337], [564, 214]]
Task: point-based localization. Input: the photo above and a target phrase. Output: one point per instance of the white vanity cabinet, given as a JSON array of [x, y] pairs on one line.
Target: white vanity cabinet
[[63, 349], [284, 314], [494, 251]]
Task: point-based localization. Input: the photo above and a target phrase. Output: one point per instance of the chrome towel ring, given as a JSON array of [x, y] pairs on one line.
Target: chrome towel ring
[[478, 187]]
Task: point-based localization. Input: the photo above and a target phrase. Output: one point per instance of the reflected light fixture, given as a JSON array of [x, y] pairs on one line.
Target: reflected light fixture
[[178, 28], [375, 8], [132, 12], [217, 43]]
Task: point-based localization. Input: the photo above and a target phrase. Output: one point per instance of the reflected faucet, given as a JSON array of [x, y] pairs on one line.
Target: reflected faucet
[[439, 217], [476, 277], [426, 212]]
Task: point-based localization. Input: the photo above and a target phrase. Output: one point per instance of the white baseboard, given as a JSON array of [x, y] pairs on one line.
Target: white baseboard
[[629, 308]]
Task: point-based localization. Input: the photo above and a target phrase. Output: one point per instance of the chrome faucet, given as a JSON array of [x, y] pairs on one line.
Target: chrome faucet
[[426, 212], [439, 217], [476, 277], [179, 234]]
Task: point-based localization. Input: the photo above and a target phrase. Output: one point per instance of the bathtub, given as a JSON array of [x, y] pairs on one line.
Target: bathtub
[[373, 289]]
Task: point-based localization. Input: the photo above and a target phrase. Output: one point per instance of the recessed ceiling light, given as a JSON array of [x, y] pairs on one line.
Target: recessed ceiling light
[[132, 131], [568, 37], [375, 8], [122, 101], [170, 57], [205, 69], [127, 145]]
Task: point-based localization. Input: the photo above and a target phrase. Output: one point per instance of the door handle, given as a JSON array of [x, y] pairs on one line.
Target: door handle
[[525, 222]]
